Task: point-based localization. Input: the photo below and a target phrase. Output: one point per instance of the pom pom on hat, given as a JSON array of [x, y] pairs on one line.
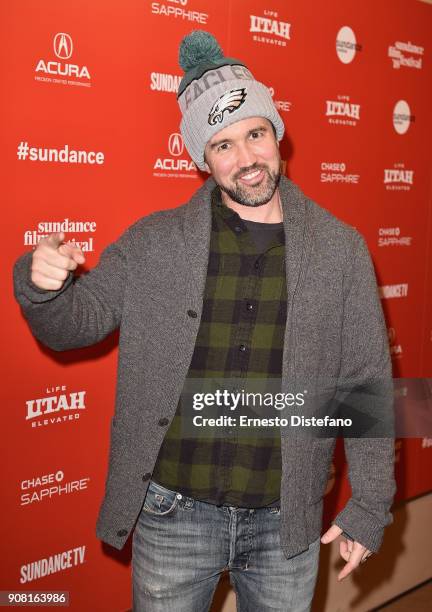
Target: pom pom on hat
[[199, 93], [198, 47]]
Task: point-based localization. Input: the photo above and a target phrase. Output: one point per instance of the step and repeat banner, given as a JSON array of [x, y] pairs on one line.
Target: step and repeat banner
[[91, 143]]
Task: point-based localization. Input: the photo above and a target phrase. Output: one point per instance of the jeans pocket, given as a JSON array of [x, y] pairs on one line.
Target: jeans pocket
[[160, 501]]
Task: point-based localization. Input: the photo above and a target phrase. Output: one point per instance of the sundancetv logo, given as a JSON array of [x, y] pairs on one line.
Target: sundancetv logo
[[56, 407], [61, 69], [388, 292], [53, 564]]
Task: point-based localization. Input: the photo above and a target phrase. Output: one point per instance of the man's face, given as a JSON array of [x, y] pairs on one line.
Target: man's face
[[244, 160]]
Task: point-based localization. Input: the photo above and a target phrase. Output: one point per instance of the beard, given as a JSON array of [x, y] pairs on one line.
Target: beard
[[254, 195]]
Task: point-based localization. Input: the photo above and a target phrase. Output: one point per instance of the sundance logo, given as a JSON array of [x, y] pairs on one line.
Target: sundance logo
[[60, 70], [160, 81], [403, 54], [44, 228]]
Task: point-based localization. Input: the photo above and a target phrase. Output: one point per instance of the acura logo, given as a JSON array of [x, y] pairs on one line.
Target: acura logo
[[175, 145], [63, 45]]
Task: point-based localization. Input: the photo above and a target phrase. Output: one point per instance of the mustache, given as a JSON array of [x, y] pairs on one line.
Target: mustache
[[244, 171]]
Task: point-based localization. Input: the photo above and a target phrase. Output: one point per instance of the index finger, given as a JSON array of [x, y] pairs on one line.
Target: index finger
[[55, 239]]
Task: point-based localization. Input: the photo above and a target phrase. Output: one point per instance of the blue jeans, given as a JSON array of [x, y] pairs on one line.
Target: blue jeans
[[181, 546]]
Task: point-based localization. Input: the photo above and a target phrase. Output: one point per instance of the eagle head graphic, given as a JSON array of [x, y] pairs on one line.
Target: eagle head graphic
[[228, 102]]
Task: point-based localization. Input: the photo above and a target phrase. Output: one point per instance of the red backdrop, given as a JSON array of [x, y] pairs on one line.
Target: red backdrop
[[352, 83]]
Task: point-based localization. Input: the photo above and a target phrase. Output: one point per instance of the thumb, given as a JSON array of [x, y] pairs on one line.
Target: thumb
[[331, 534]]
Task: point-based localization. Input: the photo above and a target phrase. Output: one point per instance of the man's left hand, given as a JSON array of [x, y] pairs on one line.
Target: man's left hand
[[353, 553]]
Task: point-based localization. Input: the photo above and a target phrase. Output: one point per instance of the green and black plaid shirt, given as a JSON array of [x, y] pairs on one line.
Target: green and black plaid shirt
[[240, 335]]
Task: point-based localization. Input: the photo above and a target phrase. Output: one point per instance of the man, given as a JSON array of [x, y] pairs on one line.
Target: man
[[248, 280]]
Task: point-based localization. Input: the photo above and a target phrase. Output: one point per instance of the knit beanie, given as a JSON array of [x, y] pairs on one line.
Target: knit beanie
[[215, 92]]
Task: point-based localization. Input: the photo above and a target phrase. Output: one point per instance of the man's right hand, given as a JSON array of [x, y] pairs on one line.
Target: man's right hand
[[52, 261]]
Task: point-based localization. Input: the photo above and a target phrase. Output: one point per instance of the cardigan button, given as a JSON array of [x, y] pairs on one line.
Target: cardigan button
[[146, 476], [163, 421], [192, 313], [122, 533]]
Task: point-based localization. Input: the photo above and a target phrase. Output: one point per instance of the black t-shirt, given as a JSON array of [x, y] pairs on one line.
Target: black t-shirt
[[262, 233]]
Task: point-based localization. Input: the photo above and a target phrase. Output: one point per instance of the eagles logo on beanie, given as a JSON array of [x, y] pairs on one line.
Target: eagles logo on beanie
[[215, 92]]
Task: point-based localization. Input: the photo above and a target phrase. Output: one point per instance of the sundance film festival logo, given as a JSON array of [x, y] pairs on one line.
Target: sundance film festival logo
[[342, 111], [336, 172], [45, 228], [391, 236], [268, 29], [388, 292], [56, 407], [58, 562], [346, 45], [160, 81], [177, 10], [60, 70], [49, 486], [174, 165], [398, 178], [402, 117], [406, 55]]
